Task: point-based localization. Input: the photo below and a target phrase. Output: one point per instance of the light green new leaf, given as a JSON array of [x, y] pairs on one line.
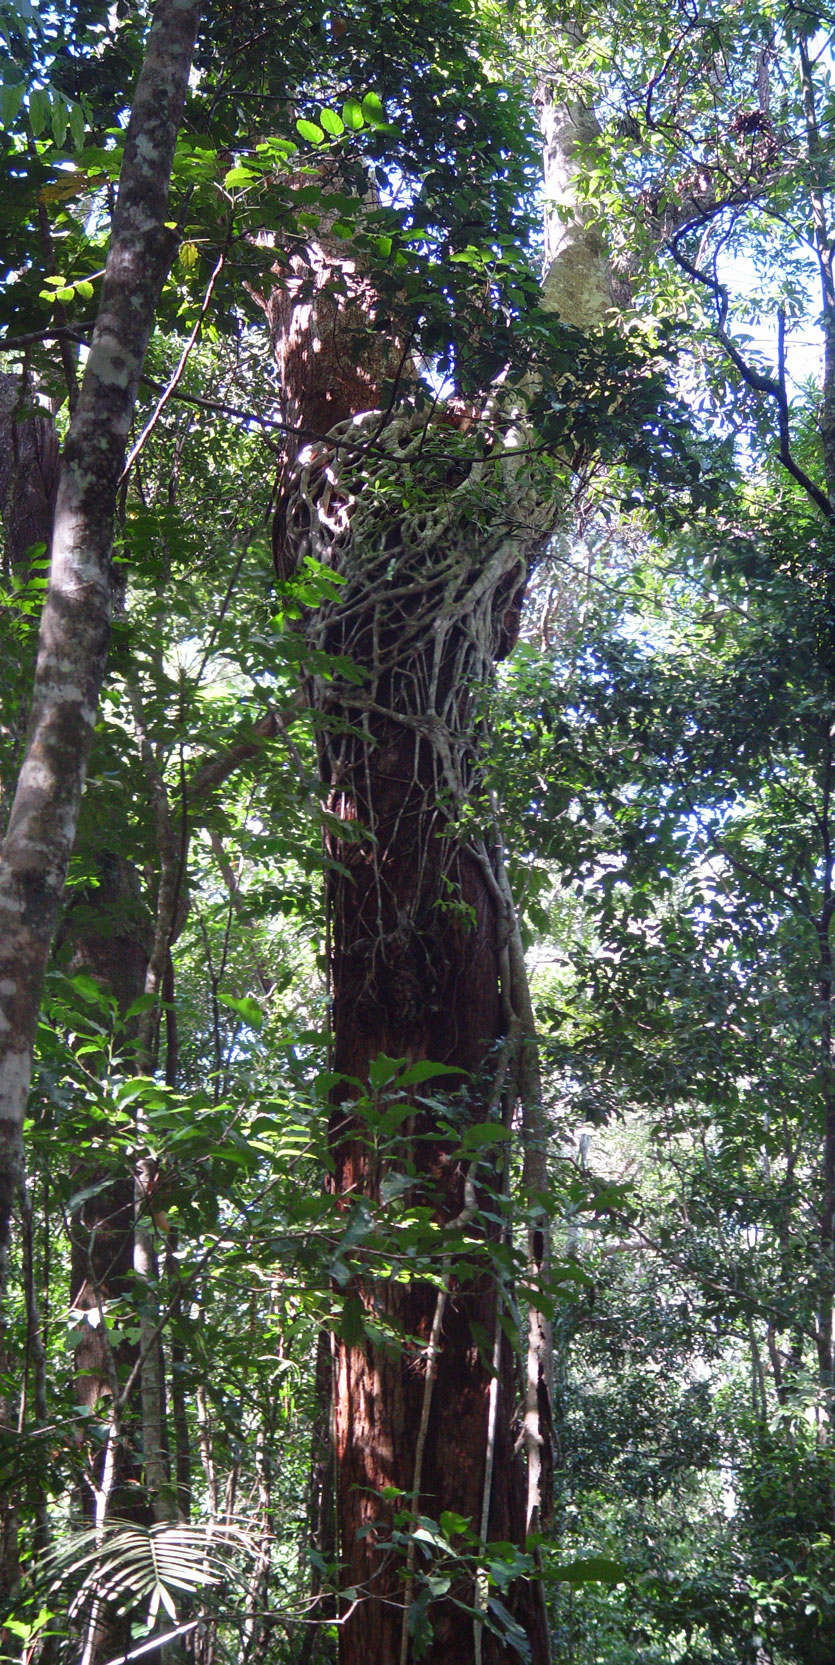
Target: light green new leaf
[[352, 115], [310, 131], [246, 1008]]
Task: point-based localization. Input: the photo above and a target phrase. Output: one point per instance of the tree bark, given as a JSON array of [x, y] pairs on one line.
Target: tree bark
[[415, 975], [432, 538], [577, 284], [28, 472], [106, 933], [428, 602], [75, 628]]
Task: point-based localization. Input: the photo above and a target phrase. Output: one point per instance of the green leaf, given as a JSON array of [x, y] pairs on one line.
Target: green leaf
[[394, 1185], [310, 131], [425, 1070], [591, 1569], [278, 147], [168, 1603], [373, 111], [84, 985], [11, 98], [246, 1008], [189, 255], [481, 1134], [506, 1626], [382, 1070], [332, 123], [439, 1583], [60, 116], [77, 125], [352, 115], [393, 1117], [80, 1197], [352, 1321], [144, 1002], [239, 177], [17, 1628], [84, 289], [39, 110], [427, 1533]]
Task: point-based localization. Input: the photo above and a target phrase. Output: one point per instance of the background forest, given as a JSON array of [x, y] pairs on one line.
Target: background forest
[[371, 1294]]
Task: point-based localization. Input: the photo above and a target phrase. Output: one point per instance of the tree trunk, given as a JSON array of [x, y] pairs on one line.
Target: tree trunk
[[28, 472], [428, 602], [415, 975], [106, 933], [431, 536], [76, 622], [577, 284]]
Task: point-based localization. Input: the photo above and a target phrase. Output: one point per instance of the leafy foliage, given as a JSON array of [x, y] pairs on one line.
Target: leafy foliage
[[662, 754]]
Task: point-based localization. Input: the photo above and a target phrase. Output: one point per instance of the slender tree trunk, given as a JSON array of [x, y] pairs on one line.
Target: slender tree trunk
[[819, 185], [28, 484], [578, 275], [106, 934], [823, 924], [28, 472], [320, 1496], [9, 1544], [179, 1382], [76, 622]]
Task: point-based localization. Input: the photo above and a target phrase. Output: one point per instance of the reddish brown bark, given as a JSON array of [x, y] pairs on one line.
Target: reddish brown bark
[[431, 992], [28, 472], [414, 954]]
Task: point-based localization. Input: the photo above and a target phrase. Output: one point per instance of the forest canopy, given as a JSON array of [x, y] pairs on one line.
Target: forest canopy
[[417, 757]]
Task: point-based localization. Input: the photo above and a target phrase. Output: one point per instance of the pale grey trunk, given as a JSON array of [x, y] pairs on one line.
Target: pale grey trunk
[[75, 628], [577, 285], [577, 282]]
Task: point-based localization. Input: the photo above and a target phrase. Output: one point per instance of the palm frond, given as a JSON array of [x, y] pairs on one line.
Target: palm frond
[[124, 1564]]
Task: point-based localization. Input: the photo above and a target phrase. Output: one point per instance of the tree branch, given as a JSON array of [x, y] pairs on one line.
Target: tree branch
[[758, 380], [178, 373]]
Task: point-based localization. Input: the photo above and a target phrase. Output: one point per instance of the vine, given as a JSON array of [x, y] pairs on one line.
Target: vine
[[430, 535]]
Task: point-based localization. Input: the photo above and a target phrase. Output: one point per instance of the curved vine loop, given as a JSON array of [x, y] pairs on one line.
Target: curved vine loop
[[430, 534]]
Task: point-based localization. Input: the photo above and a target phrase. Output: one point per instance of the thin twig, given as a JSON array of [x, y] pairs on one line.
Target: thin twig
[[178, 373]]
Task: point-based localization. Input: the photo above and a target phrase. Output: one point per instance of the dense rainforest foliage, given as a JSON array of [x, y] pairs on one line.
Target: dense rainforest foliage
[[417, 789]]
